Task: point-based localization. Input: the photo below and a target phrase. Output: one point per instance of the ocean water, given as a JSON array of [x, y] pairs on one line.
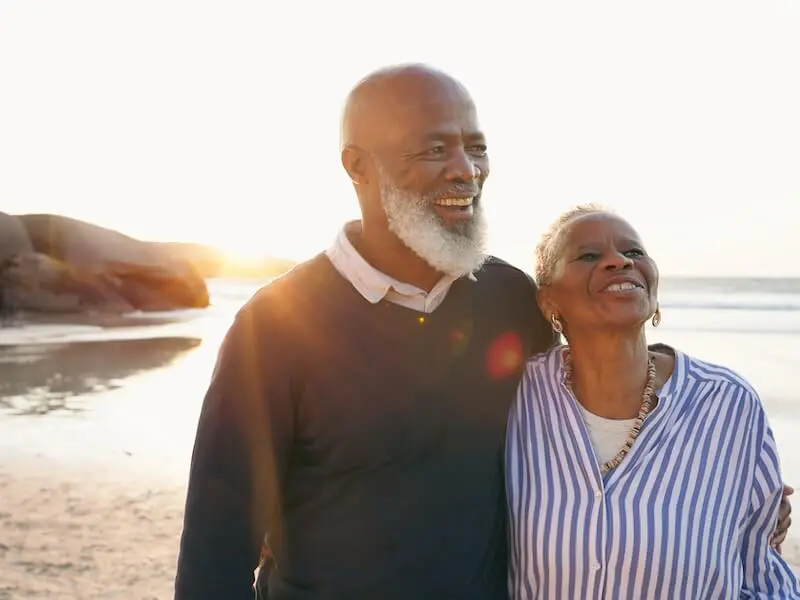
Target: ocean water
[[129, 398]]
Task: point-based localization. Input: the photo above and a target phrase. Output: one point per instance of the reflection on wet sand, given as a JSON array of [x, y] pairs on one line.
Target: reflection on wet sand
[[45, 378]]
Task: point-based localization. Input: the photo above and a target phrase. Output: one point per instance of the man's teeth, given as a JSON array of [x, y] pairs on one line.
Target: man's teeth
[[454, 202], [621, 287]]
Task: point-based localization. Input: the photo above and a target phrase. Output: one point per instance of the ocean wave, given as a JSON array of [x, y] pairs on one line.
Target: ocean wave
[[752, 329], [737, 304], [698, 294]]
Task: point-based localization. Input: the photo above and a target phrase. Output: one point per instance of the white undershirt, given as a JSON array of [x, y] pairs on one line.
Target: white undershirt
[[607, 435]]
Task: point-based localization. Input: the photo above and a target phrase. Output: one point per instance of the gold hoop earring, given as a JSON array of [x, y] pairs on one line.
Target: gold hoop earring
[[656, 317], [558, 327]]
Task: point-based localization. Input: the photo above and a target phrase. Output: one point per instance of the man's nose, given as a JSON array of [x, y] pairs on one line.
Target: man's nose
[[462, 167]]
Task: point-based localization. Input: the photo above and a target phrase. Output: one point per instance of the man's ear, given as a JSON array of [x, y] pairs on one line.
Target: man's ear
[[356, 163]]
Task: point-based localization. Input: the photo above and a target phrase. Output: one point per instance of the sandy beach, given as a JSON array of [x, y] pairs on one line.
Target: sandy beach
[[84, 533], [97, 425]]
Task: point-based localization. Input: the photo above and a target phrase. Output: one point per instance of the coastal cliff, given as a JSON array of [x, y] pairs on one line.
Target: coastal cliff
[[55, 265]]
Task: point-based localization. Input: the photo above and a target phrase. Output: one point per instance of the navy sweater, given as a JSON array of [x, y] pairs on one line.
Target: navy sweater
[[365, 439]]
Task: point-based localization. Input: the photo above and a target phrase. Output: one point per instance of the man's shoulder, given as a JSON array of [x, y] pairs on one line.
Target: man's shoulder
[[498, 268], [502, 276], [512, 291], [304, 277], [299, 286]]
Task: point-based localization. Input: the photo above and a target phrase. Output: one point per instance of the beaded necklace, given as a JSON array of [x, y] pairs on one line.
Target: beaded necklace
[[647, 404]]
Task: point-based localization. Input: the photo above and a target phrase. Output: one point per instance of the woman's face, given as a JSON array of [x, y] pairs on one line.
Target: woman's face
[[604, 279]]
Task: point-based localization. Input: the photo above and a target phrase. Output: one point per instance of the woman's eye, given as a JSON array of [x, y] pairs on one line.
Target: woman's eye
[[635, 253], [587, 256]]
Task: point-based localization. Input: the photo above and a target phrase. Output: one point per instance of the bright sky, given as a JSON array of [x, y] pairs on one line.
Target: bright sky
[[217, 122]]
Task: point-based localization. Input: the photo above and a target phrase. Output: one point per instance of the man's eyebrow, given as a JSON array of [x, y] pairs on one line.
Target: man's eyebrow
[[438, 136]]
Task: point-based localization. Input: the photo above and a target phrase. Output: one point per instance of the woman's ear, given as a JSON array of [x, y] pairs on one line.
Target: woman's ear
[[544, 299]]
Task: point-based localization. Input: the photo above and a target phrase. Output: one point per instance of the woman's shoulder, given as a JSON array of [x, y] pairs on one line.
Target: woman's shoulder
[[700, 374], [546, 364], [541, 379]]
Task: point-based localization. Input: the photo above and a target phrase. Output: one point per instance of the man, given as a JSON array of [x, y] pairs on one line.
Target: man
[[358, 407]]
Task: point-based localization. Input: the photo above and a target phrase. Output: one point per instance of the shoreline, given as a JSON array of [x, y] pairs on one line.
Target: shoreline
[[104, 320], [52, 329]]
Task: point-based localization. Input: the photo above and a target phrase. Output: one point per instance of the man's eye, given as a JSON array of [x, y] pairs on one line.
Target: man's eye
[[635, 253], [436, 150], [479, 149]]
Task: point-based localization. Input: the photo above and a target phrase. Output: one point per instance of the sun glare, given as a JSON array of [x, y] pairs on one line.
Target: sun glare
[[244, 254]]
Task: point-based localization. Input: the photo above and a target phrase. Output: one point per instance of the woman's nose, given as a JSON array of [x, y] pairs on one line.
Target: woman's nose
[[614, 261]]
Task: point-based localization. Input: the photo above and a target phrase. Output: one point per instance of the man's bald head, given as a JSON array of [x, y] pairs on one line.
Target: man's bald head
[[380, 103], [413, 149]]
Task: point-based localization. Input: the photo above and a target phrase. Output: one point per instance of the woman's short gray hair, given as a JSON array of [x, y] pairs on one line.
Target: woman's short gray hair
[[550, 248]]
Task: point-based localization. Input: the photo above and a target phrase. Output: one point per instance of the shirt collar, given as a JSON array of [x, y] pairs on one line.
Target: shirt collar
[[371, 283]]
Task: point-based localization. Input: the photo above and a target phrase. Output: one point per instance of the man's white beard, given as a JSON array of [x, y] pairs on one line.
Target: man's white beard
[[457, 250]]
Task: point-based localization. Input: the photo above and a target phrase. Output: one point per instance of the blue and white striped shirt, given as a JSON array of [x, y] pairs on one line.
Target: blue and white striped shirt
[[686, 516]]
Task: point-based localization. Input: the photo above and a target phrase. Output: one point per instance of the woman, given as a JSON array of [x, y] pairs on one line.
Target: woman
[[633, 471]]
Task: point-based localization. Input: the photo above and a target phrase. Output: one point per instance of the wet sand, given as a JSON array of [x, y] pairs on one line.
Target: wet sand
[[46, 378], [105, 320], [89, 507]]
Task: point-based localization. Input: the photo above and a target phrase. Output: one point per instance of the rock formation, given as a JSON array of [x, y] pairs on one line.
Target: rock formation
[[50, 263]]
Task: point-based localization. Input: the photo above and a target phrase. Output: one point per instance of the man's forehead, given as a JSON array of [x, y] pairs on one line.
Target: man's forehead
[[431, 117], [409, 104]]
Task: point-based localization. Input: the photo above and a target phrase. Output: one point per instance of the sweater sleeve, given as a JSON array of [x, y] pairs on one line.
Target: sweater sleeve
[[238, 463]]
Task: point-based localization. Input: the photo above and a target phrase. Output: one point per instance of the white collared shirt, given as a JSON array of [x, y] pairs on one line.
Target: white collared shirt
[[375, 286]]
